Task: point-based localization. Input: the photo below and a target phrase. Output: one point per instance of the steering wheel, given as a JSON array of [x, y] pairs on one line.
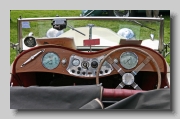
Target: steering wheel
[[128, 78]]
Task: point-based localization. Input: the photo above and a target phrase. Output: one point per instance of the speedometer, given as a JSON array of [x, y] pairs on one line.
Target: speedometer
[[50, 60], [128, 60]]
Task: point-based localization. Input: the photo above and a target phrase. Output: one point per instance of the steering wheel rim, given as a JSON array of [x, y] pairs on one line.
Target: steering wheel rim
[[130, 48]]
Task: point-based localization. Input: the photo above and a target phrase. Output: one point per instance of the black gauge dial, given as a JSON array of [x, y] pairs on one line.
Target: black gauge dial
[[30, 41], [94, 64]]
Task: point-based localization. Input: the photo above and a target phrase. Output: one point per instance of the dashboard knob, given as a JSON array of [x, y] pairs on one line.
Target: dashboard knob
[[79, 68], [83, 73], [101, 72], [116, 61], [94, 64], [73, 71], [63, 61], [106, 71]]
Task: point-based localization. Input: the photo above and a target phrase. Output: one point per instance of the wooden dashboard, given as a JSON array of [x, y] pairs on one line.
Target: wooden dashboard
[[65, 54]]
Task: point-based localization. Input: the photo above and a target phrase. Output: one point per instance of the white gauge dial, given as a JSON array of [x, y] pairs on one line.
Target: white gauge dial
[[75, 62], [50, 60], [128, 60]]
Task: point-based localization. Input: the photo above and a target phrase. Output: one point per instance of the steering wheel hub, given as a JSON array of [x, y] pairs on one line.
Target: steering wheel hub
[[128, 79]]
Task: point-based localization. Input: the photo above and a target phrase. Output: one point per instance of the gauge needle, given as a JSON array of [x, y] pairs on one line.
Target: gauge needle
[[49, 61], [128, 60], [85, 65]]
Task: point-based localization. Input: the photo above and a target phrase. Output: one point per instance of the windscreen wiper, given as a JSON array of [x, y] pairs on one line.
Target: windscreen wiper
[[143, 25], [75, 30], [60, 24]]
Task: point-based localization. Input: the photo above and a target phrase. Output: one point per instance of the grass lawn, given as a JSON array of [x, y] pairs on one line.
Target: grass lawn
[[14, 14]]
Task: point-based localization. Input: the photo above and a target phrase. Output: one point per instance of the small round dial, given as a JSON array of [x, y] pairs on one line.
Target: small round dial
[[94, 64], [128, 60], [85, 64], [30, 41], [75, 62], [50, 60]]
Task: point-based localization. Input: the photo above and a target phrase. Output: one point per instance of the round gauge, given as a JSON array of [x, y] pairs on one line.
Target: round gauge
[[128, 60], [75, 62], [94, 64], [30, 41], [50, 60], [85, 64]]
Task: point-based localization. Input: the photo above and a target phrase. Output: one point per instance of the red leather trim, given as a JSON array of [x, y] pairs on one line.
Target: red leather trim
[[119, 93]]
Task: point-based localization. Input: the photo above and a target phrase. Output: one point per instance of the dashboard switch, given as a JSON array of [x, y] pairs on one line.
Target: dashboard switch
[[79, 68], [106, 71], [78, 72], [73, 71]]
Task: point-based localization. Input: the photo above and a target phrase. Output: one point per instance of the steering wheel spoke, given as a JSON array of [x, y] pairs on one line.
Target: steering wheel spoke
[[118, 69], [135, 86], [121, 85], [141, 66]]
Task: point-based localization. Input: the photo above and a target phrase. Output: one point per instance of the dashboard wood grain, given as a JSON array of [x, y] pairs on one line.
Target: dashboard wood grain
[[64, 53]]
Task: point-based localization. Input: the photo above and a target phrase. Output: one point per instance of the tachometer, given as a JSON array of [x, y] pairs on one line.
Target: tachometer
[[128, 60], [50, 60]]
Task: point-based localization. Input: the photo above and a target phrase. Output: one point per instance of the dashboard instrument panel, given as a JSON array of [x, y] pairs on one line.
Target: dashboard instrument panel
[[86, 67], [57, 59]]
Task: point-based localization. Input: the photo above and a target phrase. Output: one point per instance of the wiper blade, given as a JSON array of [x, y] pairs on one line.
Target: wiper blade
[[75, 30], [143, 25]]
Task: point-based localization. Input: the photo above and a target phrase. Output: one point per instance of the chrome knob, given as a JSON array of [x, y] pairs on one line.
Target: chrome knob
[[63, 61], [115, 61]]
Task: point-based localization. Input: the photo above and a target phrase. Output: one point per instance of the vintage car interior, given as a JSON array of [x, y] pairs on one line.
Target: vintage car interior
[[128, 66]]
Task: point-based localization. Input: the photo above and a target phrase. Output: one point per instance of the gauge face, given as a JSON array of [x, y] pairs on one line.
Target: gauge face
[[128, 60], [85, 64], [75, 62], [30, 41], [94, 64], [50, 60]]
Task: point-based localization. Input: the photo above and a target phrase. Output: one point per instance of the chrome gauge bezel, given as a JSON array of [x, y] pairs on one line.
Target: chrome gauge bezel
[[125, 65], [55, 65], [75, 62]]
